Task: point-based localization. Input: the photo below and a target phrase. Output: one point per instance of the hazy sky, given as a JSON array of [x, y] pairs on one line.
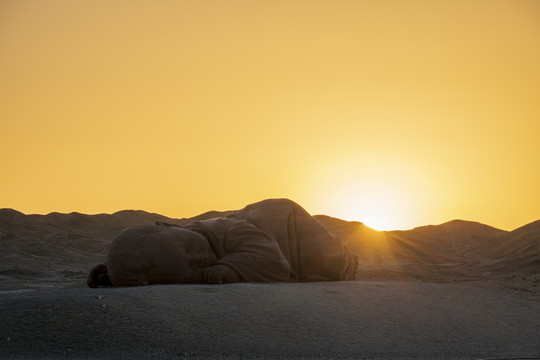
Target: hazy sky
[[393, 113]]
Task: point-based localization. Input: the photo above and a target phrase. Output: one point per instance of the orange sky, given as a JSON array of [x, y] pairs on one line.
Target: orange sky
[[394, 113]]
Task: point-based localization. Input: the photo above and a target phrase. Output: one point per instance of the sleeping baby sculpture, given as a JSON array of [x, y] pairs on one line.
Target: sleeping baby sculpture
[[272, 240]]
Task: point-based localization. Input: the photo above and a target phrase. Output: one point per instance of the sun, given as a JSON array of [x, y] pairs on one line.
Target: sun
[[379, 204], [382, 192], [377, 208]]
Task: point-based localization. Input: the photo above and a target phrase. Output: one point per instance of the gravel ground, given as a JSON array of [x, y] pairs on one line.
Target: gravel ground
[[358, 319]]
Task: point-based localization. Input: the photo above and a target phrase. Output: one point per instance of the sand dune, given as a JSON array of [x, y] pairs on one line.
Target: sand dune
[[454, 251], [516, 253]]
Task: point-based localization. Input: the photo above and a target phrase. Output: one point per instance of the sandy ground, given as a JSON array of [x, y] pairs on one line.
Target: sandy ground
[[359, 319]]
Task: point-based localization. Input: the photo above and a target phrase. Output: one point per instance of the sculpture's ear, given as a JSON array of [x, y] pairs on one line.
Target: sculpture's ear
[[98, 276]]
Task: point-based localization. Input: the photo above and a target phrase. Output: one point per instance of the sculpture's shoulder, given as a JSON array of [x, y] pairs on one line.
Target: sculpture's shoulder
[[217, 227]]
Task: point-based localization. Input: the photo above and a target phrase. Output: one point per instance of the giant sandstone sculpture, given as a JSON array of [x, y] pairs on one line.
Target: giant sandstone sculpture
[[272, 240]]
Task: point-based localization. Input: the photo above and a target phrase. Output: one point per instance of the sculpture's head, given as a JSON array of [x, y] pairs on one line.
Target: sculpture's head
[[153, 254]]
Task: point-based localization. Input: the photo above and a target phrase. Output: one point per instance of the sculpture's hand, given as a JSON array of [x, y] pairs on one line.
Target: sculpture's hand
[[219, 274]]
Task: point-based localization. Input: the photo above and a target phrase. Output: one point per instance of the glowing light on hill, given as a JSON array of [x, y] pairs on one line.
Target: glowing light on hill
[[382, 195], [381, 207]]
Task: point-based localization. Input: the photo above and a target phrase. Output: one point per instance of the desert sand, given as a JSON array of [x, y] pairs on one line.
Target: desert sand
[[457, 290], [375, 319]]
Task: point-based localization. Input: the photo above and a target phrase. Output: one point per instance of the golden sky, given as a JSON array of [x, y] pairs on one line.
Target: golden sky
[[394, 113]]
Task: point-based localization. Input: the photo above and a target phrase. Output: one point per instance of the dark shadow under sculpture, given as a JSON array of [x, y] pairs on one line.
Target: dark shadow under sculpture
[[272, 240]]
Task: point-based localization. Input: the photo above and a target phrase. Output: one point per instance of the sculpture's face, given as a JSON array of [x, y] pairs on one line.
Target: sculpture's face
[[198, 255]]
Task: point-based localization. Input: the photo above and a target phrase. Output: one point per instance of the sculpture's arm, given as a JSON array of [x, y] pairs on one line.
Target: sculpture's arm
[[254, 255]]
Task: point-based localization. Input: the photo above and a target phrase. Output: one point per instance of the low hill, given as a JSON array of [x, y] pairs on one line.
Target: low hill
[[46, 248], [515, 253]]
